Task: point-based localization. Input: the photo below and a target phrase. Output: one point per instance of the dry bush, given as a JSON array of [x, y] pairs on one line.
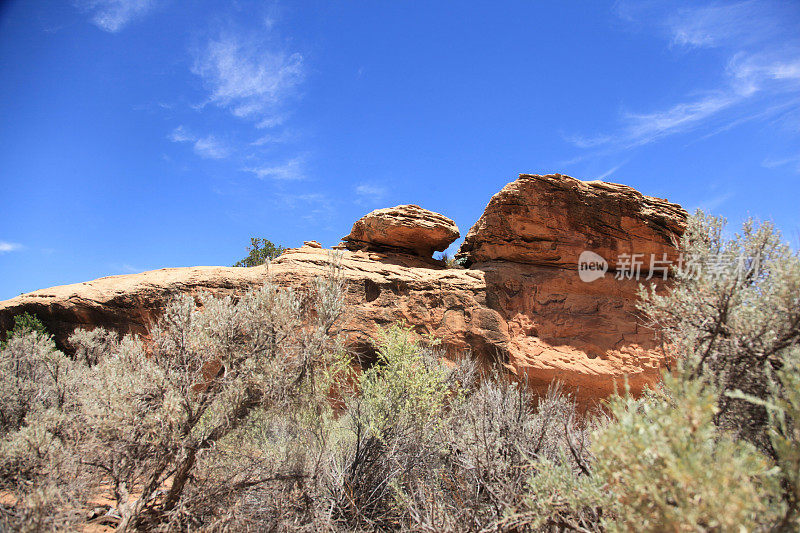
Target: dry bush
[[91, 345], [225, 421], [732, 315], [493, 437], [33, 377], [163, 418], [39, 467], [171, 425]]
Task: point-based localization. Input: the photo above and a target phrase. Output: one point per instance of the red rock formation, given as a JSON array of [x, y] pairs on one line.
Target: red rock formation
[[528, 242], [535, 316], [408, 228], [550, 220]]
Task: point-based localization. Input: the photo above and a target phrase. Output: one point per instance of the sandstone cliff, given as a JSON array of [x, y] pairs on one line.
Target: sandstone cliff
[[521, 302]]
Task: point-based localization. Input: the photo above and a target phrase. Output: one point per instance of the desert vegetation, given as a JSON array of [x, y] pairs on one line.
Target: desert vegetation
[[259, 252], [249, 414]]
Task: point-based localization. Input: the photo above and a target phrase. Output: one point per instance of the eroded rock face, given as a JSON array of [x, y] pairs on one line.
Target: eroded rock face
[[525, 311], [402, 228], [549, 220]]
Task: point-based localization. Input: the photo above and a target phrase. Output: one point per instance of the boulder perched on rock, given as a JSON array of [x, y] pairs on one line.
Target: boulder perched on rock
[[404, 228], [521, 304], [550, 220]]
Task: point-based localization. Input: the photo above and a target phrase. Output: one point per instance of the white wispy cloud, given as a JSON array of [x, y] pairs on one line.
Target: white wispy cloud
[[369, 192], [291, 170], [249, 78], [274, 138], [271, 122], [717, 24], [315, 208], [113, 15], [763, 63], [752, 72], [254, 78], [782, 108], [180, 135], [643, 128], [749, 78], [610, 171], [209, 146], [304, 198], [772, 162], [712, 203], [6, 247]]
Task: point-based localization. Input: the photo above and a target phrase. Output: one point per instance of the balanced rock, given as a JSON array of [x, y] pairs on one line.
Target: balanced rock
[[550, 220], [405, 228]]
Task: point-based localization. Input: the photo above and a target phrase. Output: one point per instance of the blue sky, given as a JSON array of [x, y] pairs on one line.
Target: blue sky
[[141, 134]]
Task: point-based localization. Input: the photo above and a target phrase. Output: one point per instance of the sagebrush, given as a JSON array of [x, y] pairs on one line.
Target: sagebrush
[[248, 413]]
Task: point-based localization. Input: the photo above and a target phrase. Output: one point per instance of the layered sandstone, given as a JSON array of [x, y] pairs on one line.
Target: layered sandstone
[[404, 228], [516, 305], [549, 220]]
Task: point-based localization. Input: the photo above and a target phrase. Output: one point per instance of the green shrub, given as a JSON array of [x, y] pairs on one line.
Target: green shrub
[[392, 424], [406, 386], [658, 464], [667, 467], [259, 252], [25, 323], [561, 498]]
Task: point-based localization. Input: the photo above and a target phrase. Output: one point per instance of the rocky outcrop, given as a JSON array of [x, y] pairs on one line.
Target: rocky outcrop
[[549, 220], [404, 228], [528, 312]]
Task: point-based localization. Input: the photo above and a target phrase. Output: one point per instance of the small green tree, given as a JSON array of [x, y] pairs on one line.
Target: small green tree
[[260, 251], [25, 323]]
